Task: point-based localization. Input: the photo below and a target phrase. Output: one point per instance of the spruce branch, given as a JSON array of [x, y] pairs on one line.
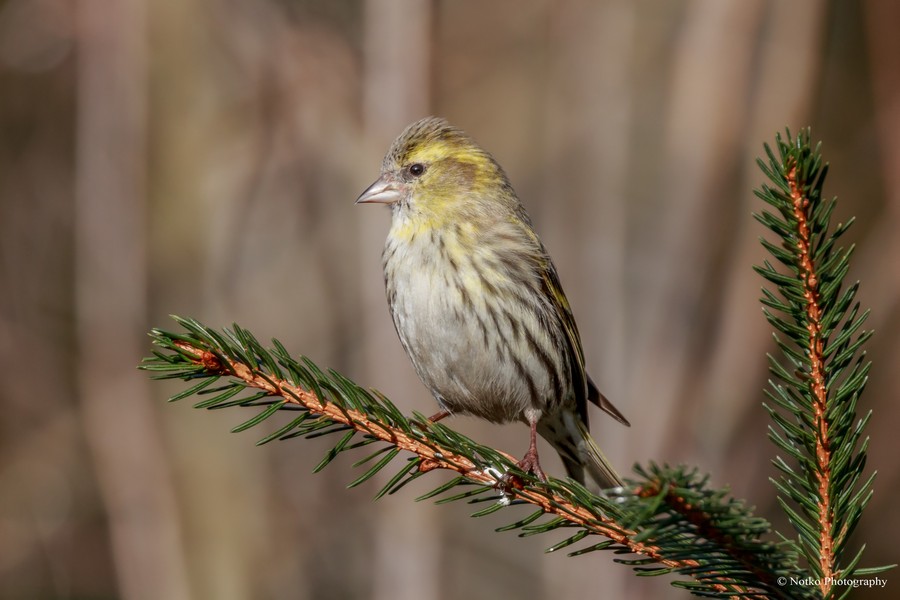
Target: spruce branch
[[669, 519], [823, 369]]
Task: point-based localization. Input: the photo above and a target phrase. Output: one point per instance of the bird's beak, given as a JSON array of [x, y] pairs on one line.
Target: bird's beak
[[383, 191]]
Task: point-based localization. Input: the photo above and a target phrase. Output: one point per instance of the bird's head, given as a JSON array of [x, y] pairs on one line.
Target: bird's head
[[434, 168]]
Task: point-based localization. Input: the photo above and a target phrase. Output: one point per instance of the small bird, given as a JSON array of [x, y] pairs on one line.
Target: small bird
[[476, 300]]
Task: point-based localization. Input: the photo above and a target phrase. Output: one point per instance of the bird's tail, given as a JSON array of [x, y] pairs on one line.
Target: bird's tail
[[570, 437]]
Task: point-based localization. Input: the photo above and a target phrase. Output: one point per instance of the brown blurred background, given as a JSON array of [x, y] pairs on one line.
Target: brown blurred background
[[201, 158]]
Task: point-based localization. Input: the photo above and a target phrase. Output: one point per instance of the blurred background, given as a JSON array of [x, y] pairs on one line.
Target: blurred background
[[201, 158]]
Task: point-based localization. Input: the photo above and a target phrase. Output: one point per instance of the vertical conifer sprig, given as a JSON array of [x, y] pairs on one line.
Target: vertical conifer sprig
[[822, 371]]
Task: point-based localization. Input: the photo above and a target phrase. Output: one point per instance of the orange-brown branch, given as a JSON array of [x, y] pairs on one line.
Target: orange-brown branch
[[704, 528], [817, 379], [432, 457]]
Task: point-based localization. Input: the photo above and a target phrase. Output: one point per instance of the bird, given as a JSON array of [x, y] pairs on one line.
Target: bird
[[477, 302]]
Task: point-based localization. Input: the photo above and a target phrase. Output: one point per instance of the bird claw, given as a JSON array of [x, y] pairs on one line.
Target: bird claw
[[531, 464], [507, 482]]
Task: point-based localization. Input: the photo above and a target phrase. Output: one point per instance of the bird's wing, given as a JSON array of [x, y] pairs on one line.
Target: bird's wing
[[554, 292], [595, 396], [584, 386], [585, 390]]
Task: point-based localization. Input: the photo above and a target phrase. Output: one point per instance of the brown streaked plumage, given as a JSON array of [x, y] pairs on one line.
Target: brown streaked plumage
[[476, 300]]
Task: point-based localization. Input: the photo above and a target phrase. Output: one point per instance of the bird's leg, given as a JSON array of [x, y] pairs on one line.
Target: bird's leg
[[530, 462], [439, 415]]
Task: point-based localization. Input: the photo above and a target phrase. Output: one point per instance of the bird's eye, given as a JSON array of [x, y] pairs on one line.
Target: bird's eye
[[416, 169]]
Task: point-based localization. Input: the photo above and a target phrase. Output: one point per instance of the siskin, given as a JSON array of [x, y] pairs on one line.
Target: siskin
[[476, 300]]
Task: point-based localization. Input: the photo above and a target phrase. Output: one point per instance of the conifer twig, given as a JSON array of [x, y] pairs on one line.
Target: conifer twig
[[433, 457], [822, 371], [669, 522], [815, 352]]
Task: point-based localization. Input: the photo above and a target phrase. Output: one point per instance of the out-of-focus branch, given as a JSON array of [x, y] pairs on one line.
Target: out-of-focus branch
[[398, 49], [110, 265]]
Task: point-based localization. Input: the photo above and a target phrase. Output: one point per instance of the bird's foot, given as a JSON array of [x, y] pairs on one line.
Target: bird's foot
[[531, 464]]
